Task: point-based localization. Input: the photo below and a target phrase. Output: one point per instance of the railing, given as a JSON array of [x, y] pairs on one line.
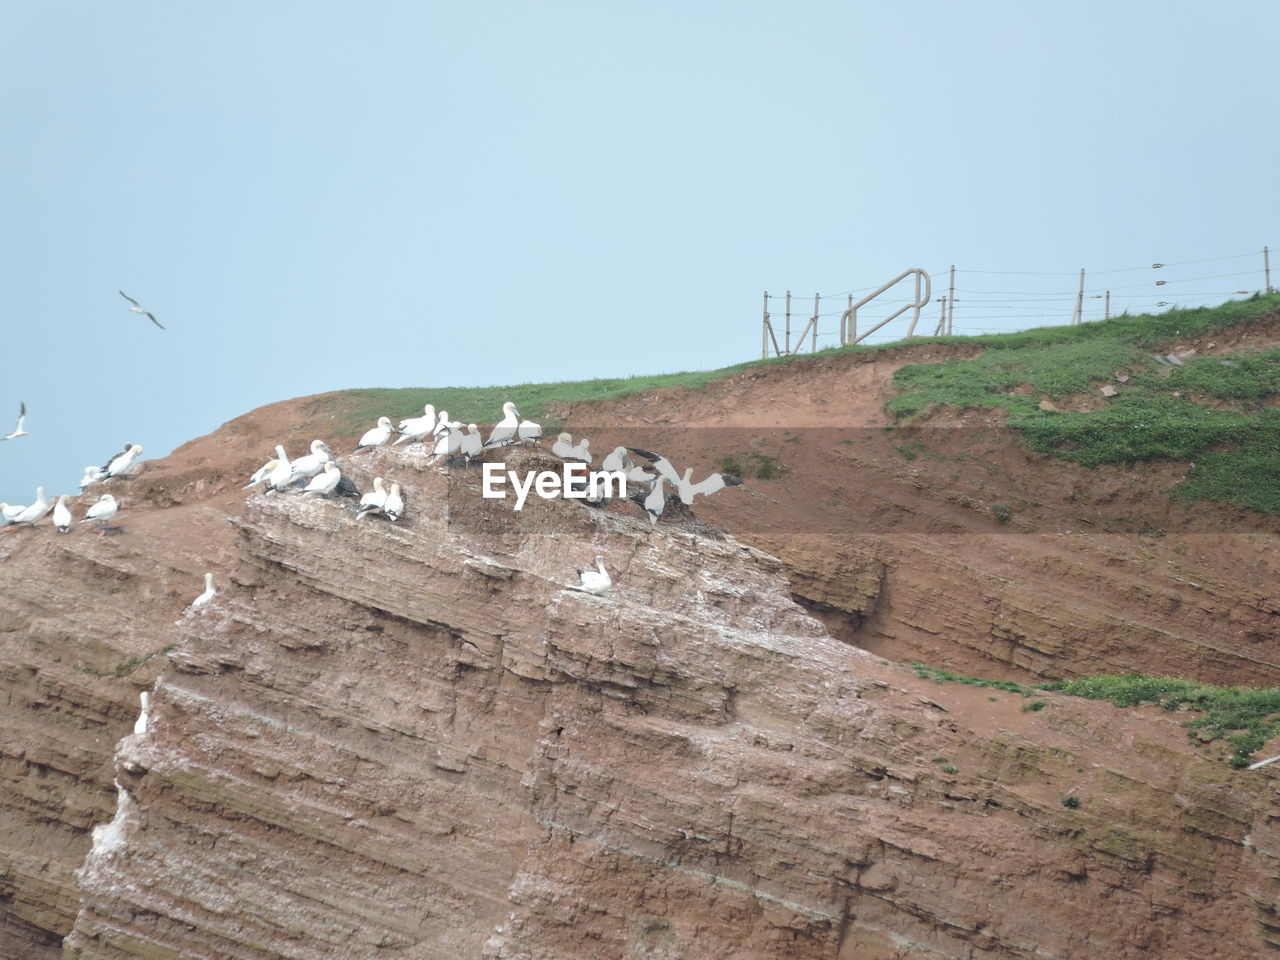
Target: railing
[[849, 319]]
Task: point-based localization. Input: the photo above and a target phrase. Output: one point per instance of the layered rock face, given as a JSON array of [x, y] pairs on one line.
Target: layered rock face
[[412, 740]]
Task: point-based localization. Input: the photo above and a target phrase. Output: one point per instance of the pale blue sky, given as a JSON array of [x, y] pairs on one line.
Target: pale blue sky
[[318, 195]]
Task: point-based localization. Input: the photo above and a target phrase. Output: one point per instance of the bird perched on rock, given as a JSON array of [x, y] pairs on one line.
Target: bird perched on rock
[[594, 581], [209, 593], [472, 443], [102, 512], [306, 467], [31, 514], [507, 429], [376, 436], [62, 516], [326, 481], [393, 506], [140, 725], [415, 429], [120, 464], [373, 501], [92, 474]]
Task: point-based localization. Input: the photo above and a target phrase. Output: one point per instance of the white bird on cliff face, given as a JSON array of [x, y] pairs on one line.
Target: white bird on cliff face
[[376, 436], [529, 432], [507, 429], [62, 516], [102, 511], [616, 460], [656, 501], [448, 445], [472, 442], [278, 478], [563, 447], [17, 430], [7, 512], [373, 501], [686, 489], [416, 428], [262, 473], [209, 593], [595, 581], [326, 481], [35, 511], [140, 725], [393, 506], [306, 467], [92, 474], [121, 463]]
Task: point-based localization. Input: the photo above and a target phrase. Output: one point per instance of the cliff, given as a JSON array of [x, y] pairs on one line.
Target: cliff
[[411, 740]]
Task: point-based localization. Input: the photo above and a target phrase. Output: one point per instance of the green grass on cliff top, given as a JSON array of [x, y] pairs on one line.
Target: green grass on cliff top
[[1236, 449]]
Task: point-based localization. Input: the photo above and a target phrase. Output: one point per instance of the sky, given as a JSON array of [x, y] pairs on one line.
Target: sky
[[318, 195]]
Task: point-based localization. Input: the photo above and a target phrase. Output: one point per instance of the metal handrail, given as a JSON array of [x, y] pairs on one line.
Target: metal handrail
[[849, 319]]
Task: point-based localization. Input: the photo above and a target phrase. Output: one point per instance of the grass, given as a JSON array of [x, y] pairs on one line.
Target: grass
[[124, 667], [1246, 717], [1154, 417]]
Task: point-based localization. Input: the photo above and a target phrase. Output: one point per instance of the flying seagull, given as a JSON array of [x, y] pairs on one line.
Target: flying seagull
[[22, 416], [138, 308]]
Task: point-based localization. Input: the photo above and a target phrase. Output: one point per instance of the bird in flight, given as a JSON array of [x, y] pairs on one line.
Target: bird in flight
[[22, 416], [138, 308]]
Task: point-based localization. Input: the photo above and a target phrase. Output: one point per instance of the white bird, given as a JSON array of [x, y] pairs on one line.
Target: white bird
[[595, 581], [306, 467], [62, 516], [373, 501], [326, 481], [7, 512], [262, 473], [448, 445], [529, 432], [472, 442], [393, 506], [209, 593], [35, 511], [582, 451], [416, 428], [17, 430], [686, 489], [140, 725], [376, 436], [656, 501], [122, 462], [617, 460], [507, 429], [563, 447], [102, 511], [92, 474], [278, 478], [138, 308]]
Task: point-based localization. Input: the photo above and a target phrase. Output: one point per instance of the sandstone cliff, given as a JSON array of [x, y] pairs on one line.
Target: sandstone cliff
[[412, 741]]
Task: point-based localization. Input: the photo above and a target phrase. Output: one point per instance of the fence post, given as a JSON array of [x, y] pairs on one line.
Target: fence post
[[787, 342], [764, 330], [1107, 310], [951, 303], [1079, 311], [1266, 268], [813, 341], [942, 316]]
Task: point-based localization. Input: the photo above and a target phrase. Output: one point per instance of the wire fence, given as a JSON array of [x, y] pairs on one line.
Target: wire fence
[[966, 301]]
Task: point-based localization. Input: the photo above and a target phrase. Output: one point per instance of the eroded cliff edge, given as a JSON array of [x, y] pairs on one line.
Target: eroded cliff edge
[[412, 741]]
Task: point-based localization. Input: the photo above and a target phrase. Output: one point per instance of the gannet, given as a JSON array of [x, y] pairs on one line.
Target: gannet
[[656, 501], [17, 430], [416, 428], [563, 447], [377, 435], [278, 478], [617, 460], [92, 474], [138, 308], [62, 516], [529, 432], [209, 593], [472, 442], [140, 725], [683, 485], [372, 501], [35, 511], [7, 512], [122, 462], [326, 481], [102, 511], [582, 451], [393, 506], [306, 467], [448, 445], [595, 581], [262, 473], [507, 429]]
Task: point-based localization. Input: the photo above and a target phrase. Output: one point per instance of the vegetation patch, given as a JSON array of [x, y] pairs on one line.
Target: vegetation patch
[[1154, 416], [946, 676]]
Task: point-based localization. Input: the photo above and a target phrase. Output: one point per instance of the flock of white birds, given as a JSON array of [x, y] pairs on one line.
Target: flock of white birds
[[319, 473]]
